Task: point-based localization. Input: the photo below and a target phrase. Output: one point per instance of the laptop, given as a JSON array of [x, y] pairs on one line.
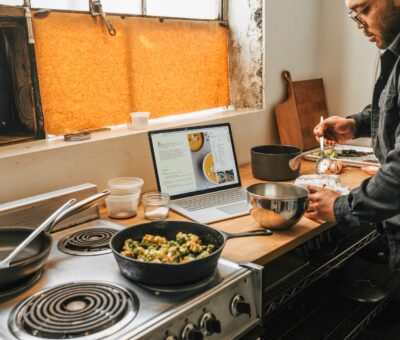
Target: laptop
[[197, 167]]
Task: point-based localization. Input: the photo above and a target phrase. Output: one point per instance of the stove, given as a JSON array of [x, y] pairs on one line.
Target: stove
[[81, 294]]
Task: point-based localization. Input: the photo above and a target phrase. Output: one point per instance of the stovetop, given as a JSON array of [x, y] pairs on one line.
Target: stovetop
[[65, 269]]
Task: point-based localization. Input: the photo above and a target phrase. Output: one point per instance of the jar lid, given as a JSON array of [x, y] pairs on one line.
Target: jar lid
[[122, 198], [155, 198]]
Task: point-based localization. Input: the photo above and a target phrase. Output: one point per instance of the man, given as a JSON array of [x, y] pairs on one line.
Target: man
[[377, 200]]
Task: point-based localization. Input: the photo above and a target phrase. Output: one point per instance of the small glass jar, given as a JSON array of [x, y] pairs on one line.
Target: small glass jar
[[155, 205]]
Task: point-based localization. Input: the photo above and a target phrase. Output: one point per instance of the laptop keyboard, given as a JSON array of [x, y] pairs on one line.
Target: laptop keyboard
[[213, 199]]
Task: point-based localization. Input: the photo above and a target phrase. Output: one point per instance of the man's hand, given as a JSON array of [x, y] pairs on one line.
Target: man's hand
[[320, 203], [335, 129]]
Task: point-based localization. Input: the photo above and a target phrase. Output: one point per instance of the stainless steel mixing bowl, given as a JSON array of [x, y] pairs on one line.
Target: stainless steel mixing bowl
[[277, 205]]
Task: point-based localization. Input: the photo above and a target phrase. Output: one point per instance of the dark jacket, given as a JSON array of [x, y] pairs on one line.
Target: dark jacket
[[377, 200]]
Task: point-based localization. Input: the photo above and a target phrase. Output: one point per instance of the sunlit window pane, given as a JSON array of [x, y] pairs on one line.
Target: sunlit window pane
[[196, 9], [109, 6], [11, 2], [74, 5], [122, 6]]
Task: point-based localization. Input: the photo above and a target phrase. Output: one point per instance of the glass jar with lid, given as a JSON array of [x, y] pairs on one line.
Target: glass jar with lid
[[155, 205]]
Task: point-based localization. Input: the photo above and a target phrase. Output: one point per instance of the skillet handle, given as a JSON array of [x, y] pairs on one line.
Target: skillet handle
[[265, 232]]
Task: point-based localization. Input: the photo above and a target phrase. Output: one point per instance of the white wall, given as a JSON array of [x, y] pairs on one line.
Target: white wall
[[347, 60], [312, 39], [292, 35], [97, 161]]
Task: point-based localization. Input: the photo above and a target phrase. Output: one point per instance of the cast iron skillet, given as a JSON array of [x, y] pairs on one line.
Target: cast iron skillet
[[173, 273], [28, 261]]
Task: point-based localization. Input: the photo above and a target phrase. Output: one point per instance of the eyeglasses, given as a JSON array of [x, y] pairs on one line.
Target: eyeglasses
[[357, 16]]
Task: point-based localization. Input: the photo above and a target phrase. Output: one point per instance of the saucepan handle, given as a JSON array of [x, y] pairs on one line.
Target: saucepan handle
[[265, 232], [84, 204]]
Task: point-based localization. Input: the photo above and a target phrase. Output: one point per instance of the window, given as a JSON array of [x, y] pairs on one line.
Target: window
[[190, 9], [204, 9], [89, 79]]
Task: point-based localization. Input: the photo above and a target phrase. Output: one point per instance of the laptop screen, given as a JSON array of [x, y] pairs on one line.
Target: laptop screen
[[194, 160]]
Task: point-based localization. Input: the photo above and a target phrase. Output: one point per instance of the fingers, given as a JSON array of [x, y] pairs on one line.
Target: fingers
[[312, 214], [319, 130], [312, 207], [324, 129], [330, 136], [329, 142], [313, 188]]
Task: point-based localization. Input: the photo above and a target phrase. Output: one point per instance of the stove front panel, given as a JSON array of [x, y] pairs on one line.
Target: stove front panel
[[62, 268]]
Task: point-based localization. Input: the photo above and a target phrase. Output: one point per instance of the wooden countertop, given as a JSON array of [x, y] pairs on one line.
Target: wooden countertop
[[264, 249]]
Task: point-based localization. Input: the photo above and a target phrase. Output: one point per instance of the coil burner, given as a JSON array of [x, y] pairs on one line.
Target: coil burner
[[93, 310], [94, 241]]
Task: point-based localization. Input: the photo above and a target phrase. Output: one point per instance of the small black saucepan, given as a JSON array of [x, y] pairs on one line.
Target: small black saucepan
[[173, 273], [30, 260], [271, 162]]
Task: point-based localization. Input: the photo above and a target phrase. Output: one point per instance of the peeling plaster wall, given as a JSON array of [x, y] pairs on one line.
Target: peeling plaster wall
[[246, 53]]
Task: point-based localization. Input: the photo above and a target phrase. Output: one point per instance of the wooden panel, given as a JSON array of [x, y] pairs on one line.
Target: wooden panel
[[301, 112], [17, 54], [11, 12], [287, 117], [311, 105], [90, 79]]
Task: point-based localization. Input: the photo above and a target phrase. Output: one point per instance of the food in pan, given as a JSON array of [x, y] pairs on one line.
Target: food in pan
[[196, 141], [331, 153], [345, 153], [155, 248]]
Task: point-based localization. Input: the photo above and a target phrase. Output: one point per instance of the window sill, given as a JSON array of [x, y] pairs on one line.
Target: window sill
[[206, 117]]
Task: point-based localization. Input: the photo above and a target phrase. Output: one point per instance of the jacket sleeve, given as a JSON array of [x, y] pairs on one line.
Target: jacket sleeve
[[378, 197], [363, 122]]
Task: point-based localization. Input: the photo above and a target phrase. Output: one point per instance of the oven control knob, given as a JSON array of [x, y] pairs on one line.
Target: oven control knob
[[191, 332], [239, 306], [209, 324]]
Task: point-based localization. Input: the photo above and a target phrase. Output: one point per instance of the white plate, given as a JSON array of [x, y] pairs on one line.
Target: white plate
[[353, 161]]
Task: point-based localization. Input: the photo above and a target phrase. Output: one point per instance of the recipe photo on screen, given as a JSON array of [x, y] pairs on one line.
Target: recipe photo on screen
[[190, 160]]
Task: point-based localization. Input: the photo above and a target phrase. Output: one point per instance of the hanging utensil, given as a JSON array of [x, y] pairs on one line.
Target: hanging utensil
[[96, 9], [6, 262]]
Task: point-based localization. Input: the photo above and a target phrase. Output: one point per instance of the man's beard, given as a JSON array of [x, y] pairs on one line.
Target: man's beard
[[391, 26]]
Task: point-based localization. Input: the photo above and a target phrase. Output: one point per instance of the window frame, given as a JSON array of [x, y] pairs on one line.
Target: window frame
[[222, 13]]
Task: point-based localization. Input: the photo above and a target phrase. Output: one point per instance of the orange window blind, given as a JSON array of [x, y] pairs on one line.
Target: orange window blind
[[89, 79]]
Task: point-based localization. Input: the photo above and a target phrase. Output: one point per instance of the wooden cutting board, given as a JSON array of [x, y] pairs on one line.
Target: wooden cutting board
[[301, 112]]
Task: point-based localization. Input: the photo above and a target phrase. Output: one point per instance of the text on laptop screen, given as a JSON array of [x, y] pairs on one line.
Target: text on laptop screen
[[191, 160]]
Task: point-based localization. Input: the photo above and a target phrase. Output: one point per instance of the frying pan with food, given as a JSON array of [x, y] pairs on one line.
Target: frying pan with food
[[169, 274]]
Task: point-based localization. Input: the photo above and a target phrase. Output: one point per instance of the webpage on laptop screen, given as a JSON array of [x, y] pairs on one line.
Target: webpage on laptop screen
[[193, 160]]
